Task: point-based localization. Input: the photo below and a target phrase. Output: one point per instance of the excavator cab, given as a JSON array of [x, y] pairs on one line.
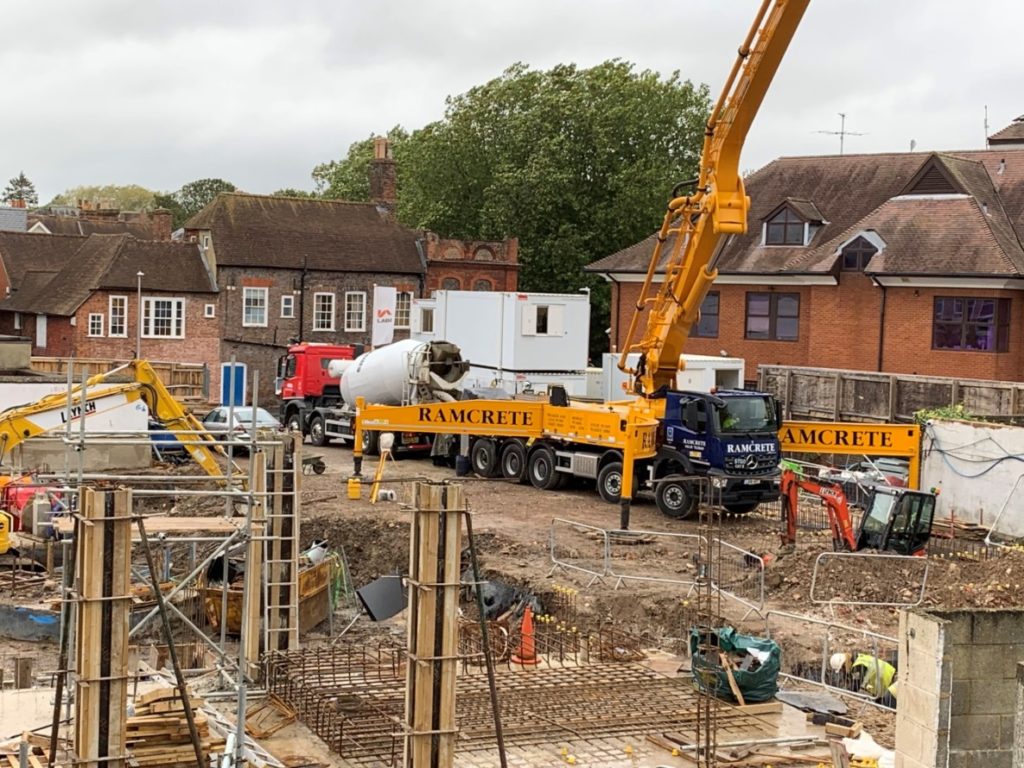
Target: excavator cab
[[897, 520]]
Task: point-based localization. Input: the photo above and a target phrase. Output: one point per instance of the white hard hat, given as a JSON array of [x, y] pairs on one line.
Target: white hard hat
[[838, 660]]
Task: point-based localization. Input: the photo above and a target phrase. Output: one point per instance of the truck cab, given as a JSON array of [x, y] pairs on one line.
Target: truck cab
[[730, 433], [304, 383]]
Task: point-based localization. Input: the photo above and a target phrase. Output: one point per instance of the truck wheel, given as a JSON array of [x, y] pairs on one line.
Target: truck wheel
[[371, 443], [484, 457], [317, 431], [609, 482], [513, 462], [741, 507], [541, 469], [676, 497], [294, 424]]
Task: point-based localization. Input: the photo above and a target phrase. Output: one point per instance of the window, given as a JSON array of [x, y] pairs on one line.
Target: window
[[707, 325], [163, 318], [17, 321], [543, 320], [118, 314], [288, 306], [450, 284], [323, 311], [971, 325], [427, 320], [209, 310], [355, 311], [483, 285], [403, 309], [254, 307], [773, 316], [857, 255], [784, 228], [95, 323], [206, 241]]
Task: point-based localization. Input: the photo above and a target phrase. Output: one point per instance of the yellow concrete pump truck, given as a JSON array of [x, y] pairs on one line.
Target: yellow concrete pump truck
[[662, 438]]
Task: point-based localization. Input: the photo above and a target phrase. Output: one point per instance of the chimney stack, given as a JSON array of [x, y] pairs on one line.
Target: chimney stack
[[160, 223], [383, 177]]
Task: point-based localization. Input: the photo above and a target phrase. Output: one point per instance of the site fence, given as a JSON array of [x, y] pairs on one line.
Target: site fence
[[811, 645], [891, 580], [188, 382]]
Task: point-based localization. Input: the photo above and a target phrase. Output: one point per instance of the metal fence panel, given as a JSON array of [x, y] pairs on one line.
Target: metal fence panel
[[896, 580], [739, 573], [579, 547], [677, 563]]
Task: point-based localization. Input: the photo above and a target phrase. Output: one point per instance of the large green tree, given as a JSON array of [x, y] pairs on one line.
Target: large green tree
[[349, 178], [21, 190], [196, 195], [128, 197], [578, 163]]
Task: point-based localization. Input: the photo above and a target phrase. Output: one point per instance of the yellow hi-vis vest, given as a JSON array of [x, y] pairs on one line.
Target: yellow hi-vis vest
[[878, 675]]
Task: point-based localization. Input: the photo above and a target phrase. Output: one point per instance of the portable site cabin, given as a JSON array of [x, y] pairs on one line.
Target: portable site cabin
[[518, 342], [701, 374]]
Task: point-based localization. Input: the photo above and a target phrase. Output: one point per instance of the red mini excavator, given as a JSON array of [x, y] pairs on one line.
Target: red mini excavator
[[895, 519]]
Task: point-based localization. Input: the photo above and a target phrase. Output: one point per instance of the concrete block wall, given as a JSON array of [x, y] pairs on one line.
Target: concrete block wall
[[957, 703], [1018, 730]]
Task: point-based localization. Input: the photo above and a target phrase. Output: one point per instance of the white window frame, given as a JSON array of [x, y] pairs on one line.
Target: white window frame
[[209, 311], [334, 311], [124, 317], [17, 321], [353, 327], [291, 306], [264, 301], [206, 241], [89, 328], [426, 312], [398, 309], [147, 319]]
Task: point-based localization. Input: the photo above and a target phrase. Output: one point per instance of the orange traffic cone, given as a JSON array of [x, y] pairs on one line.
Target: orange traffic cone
[[527, 653]]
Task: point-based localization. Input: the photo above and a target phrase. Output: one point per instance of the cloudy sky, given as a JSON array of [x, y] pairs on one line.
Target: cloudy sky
[[160, 93]]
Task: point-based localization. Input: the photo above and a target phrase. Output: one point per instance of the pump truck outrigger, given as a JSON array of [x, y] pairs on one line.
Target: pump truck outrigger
[[663, 437]]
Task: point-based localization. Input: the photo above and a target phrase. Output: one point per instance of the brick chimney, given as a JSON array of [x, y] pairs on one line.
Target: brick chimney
[[17, 203], [160, 224], [383, 190]]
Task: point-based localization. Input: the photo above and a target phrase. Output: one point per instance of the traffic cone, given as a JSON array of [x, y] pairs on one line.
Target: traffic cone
[[527, 653]]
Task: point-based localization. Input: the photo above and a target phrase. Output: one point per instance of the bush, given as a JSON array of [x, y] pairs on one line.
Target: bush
[[957, 411]]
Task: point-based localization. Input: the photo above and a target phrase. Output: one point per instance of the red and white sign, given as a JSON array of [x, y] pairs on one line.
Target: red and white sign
[[384, 300]]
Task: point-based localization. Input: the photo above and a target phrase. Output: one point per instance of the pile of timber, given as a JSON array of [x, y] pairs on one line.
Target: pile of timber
[[158, 735], [947, 528]]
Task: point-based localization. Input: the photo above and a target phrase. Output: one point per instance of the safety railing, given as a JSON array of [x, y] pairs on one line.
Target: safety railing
[[677, 561], [739, 573], [579, 547], [860, 578], [847, 660]]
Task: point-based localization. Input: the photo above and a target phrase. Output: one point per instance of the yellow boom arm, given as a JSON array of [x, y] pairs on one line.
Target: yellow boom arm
[[695, 223]]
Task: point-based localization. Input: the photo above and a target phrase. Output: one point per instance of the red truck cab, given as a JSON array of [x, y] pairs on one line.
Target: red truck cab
[[304, 383]]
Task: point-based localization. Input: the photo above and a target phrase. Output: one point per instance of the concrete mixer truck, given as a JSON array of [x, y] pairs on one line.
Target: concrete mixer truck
[[318, 385]]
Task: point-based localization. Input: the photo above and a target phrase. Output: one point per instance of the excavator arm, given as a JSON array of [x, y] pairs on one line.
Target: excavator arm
[[839, 521], [696, 224]]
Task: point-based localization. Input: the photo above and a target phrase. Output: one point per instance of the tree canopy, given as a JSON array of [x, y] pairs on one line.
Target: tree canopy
[[293, 192], [21, 190], [129, 197], [196, 195]]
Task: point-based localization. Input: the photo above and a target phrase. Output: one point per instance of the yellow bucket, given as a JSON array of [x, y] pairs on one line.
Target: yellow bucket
[[354, 486]]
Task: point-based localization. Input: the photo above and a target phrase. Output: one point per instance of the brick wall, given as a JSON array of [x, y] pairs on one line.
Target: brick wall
[[60, 334], [957, 687], [472, 261]]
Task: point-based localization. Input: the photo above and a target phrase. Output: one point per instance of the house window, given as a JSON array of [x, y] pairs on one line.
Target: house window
[[427, 320], [403, 309], [773, 316], [707, 325], [288, 306], [17, 321], [483, 285], [323, 311], [95, 323], [118, 314], [857, 255], [450, 284], [206, 241], [355, 311], [254, 307], [971, 325], [163, 318], [209, 310], [784, 228]]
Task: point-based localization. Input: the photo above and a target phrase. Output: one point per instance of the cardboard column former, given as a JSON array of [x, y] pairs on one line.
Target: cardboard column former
[[435, 546], [103, 603]]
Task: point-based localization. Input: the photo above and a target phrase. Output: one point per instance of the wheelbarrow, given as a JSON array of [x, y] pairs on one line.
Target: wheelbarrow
[[313, 464]]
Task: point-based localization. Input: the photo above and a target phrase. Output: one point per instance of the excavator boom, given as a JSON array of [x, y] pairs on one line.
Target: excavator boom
[[693, 231]]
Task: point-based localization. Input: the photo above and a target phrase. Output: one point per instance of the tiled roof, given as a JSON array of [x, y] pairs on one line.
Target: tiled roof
[[1011, 134], [73, 225], [853, 193], [21, 252], [284, 232]]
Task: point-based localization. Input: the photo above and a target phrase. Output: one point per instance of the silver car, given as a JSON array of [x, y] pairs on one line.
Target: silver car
[[239, 430]]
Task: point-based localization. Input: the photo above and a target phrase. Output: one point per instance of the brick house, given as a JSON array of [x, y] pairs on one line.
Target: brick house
[[76, 295], [471, 265], [904, 263]]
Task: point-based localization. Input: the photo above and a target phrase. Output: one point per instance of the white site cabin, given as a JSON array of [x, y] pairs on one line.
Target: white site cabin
[[518, 342]]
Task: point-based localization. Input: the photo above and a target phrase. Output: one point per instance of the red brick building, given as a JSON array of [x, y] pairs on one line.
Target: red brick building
[[904, 263], [471, 265]]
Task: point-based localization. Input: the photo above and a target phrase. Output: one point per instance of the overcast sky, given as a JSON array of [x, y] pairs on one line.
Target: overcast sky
[[160, 93]]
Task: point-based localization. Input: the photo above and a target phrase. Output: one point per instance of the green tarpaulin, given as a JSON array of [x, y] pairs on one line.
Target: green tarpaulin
[[757, 683]]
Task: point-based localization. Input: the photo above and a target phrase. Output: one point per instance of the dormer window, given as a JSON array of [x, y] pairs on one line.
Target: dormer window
[[857, 254], [785, 228]]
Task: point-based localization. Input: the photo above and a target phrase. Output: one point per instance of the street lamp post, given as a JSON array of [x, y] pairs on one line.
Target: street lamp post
[[138, 338]]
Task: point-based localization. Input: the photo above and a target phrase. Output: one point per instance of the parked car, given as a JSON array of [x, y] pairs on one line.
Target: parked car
[[242, 417]]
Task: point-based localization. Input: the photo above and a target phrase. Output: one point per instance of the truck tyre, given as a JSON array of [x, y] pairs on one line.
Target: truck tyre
[[676, 497], [294, 424], [317, 431], [371, 443], [513, 462], [609, 482], [484, 457], [741, 507], [541, 469]]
